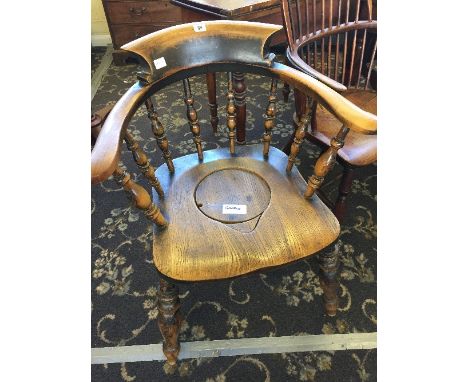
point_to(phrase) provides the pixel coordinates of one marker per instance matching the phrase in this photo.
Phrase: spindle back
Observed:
(336, 38)
(179, 53)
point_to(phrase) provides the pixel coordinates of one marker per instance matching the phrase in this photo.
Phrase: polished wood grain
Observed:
(139, 197)
(141, 159)
(192, 118)
(359, 149)
(160, 133)
(106, 152)
(236, 187)
(290, 228)
(196, 235)
(231, 120)
(269, 122)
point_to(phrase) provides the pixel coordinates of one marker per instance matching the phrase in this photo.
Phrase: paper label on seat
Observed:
(234, 209)
(160, 63)
(199, 27)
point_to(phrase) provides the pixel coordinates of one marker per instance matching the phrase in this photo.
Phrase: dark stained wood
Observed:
(265, 11)
(211, 86)
(286, 91)
(329, 264)
(169, 319)
(241, 110)
(160, 133)
(231, 114)
(269, 117)
(344, 189)
(290, 228)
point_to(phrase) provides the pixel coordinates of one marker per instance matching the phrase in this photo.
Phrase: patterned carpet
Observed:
(281, 302)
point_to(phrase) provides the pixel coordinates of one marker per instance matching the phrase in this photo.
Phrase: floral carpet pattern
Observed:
(280, 302)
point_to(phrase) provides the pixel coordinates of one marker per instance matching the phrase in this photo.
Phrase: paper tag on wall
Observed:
(199, 27)
(234, 209)
(160, 63)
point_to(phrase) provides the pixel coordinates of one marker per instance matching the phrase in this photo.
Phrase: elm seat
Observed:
(283, 226)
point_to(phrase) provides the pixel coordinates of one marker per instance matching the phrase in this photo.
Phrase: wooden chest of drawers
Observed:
(128, 20)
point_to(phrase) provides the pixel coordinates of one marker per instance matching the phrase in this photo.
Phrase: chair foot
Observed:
(345, 187)
(329, 264)
(169, 319)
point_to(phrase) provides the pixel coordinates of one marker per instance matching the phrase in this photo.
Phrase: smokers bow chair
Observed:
(196, 237)
(336, 43)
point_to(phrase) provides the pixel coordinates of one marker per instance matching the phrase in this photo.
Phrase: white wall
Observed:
(100, 35)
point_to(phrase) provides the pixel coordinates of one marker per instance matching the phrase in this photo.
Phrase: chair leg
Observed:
(329, 264)
(211, 85)
(345, 187)
(169, 319)
(286, 91)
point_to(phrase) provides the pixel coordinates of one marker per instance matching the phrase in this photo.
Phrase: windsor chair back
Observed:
(226, 212)
(335, 41)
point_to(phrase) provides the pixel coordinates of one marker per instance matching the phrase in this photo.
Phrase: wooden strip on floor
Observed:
(242, 346)
(101, 70)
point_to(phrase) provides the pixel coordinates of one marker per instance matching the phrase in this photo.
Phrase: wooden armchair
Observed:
(226, 212)
(335, 41)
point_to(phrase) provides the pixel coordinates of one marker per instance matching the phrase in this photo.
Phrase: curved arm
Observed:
(349, 114)
(300, 64)
(106, 152)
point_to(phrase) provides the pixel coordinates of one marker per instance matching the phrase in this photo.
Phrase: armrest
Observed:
(348, 113)
(300, 64)
(106, 152)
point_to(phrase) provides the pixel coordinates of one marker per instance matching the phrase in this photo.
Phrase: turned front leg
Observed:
(328, 280)
(169, 319)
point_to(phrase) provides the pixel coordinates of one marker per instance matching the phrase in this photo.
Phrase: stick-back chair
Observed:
(335, 41)
(226, 212)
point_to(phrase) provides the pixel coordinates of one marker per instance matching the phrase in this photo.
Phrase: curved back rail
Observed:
(227, 46)
(333, 40)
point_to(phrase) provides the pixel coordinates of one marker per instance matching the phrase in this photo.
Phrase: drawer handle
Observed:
(137, 11)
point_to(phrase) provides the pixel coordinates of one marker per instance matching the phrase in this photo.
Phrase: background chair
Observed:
(336, 43)
(226, 212)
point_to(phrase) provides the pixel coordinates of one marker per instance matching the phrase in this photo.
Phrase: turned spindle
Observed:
(231, 115)
(269, 122)
(139, 197)
(211, 85)
(325, 162)
(192, 118)
(299, 136)
(240, 90)
(160, 134)
(142, 162)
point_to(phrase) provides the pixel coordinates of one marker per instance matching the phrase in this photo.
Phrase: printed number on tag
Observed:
(199, 27)
(234, 209)
(160, 63)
